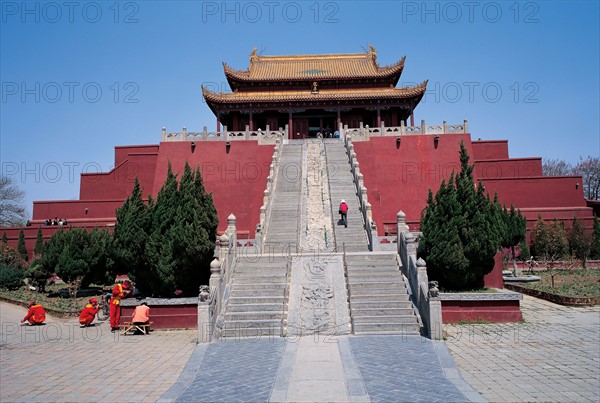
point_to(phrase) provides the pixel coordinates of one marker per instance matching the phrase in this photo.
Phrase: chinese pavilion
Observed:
(314, 93)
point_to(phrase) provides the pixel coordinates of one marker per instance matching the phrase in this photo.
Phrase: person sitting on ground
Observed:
(36, 315)
(141, 315)
(344, 212)
(86, 317)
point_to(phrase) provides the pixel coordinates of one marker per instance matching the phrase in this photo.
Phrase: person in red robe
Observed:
(36, 315)
(119, 292)
(86, 317)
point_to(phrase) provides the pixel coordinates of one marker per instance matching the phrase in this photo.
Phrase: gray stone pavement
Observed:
(61, 362)
(553, 355)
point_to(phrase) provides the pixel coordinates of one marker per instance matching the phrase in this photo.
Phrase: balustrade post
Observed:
(401, 224)
(226, 133)
(164, 134)
(204, 320)
(204, 133)
(184, 134)
(382, 129)
(465, 127)
(402, 128)
(423, 127)
(362, 129)
(444, 127)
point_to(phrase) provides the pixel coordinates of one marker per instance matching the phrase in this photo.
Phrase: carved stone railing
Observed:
(365, 206)
(265, 209)
(424, 295)
(267, 136)
(364, 133)
(221, 275)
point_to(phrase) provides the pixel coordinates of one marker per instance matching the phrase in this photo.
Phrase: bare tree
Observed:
(12, 211)
(556, 168)
(589, 169)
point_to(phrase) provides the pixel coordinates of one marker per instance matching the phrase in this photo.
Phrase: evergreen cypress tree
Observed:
(39, 242)
(595, 252)
(580, 243)
(4, 237)
(130, 237)
(21, 248)
(462, 231)
(515, 226)
(160, 248)
(195, 232)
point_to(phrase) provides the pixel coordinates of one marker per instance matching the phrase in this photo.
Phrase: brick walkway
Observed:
(554, 355)
(62, 362)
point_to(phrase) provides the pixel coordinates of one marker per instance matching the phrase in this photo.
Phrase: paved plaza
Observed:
(554, 355)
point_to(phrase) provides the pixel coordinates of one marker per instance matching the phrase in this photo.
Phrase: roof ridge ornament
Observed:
(254, 56)
(372, 52)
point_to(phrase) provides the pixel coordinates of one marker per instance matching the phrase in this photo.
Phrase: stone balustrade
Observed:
(364, 133)
(425, 296)
(267, 136)
(265, 209)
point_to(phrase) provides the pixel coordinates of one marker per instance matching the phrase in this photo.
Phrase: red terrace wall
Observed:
(541, 191)
(73, 210)
(508, 168)
(237, 178)
(491, 311)
(30, 233)
(399, 178)
(121, 152)
(489, 149)
(167, 316)
(118, 183)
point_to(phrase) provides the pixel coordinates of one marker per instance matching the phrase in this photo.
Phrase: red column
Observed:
(218, 122)
(251, 122)
(339, 119)
(412, 118)
(378, 116)
(290, 126)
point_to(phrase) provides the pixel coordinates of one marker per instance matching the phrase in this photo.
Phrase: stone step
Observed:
(371, 257)
(263, 278)
(258, 287)
(399, 319)
(374, 292)
(232, 317)
(358, 270)
(256, 293)
(395, 285)
(255, 300)
(380, 298)
(394, 328)
(382, 312)
(263, 307)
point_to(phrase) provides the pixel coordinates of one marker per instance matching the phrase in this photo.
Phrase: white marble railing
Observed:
(265, 209)
(425, 298)
(364, 133)
(263, 137)
(365, 206)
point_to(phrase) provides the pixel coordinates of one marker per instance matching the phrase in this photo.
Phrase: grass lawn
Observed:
(50, 299)
(569, 283)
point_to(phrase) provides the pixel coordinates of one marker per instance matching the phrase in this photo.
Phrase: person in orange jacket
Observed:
(86, 317)
(119, 292)
(36, 315)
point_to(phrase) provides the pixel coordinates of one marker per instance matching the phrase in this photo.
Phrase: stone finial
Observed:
(204, 293)
(421, 262)
(215, 266)
(401, 220)
(231, 219)
(224, 239)
(434, 290)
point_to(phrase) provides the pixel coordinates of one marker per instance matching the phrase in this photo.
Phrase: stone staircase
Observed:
(341, 186)
(282, 232)
(255, 306)
(379, 301)
(257, 303)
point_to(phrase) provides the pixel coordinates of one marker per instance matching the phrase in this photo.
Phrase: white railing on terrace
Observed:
(263, 137)
(363, 133)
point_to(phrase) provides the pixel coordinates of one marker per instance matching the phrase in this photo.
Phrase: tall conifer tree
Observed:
(21, 248)
(39, 242)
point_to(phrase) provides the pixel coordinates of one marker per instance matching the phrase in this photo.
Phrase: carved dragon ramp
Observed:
(318, 301)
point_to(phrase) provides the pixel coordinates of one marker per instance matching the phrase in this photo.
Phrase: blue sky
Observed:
(81, 77)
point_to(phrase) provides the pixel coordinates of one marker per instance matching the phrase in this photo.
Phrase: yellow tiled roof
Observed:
(322, 95)
(313, 67)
